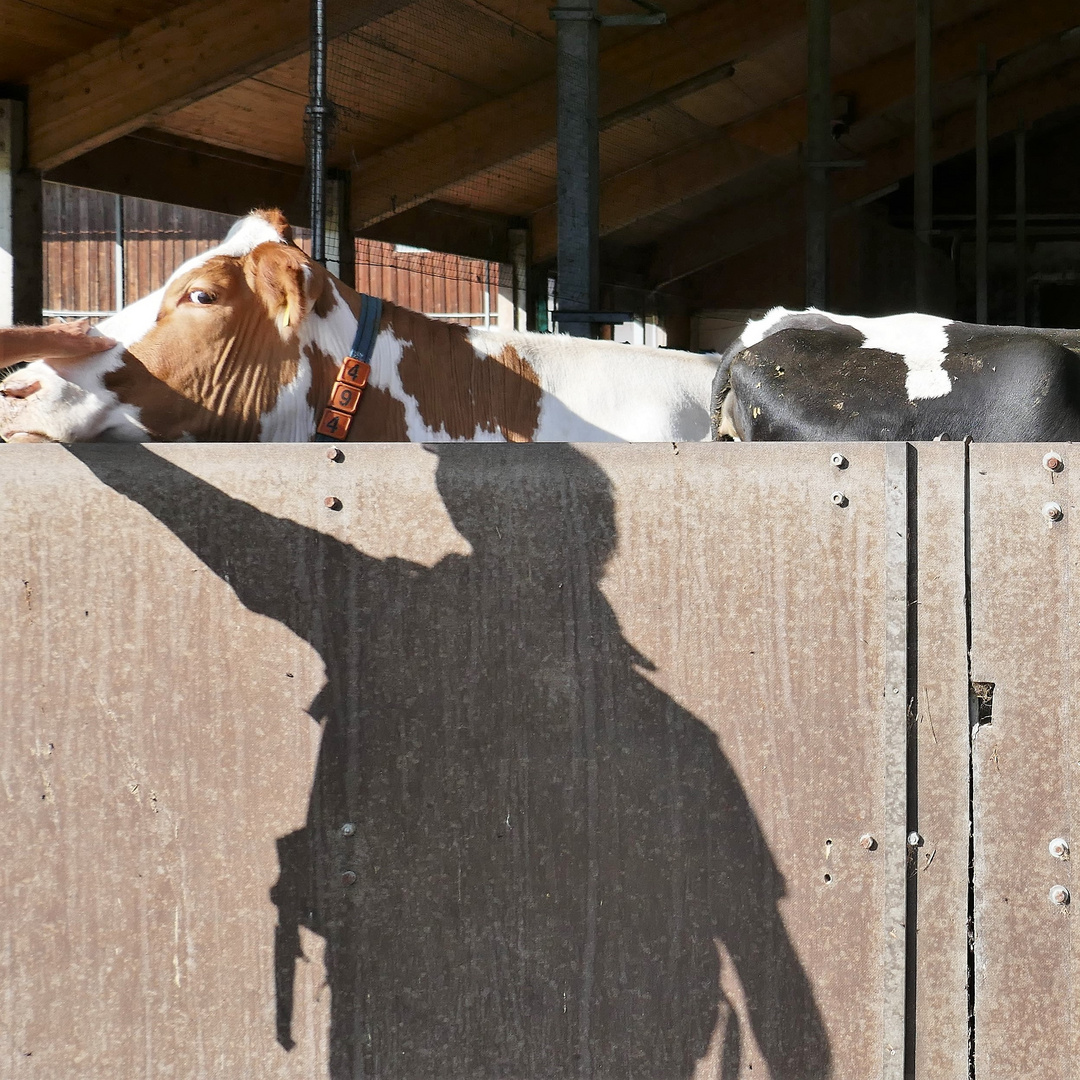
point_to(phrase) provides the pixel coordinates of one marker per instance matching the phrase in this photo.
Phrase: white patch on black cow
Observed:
(921, 341)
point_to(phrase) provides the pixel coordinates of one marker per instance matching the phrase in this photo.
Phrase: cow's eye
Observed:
(201, 296)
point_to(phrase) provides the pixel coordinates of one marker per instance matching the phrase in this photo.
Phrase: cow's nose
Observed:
(20, 391)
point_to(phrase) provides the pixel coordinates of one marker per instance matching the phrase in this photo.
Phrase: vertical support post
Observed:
(982, 188)
(21, 269)
(818, 144)
(339, 247)
(346, 240)
(8, 164)
(577, 74)
(1021, 225)
(118, 253)
(924, 156)
(895, 809)
(518, 242)
(317, 114)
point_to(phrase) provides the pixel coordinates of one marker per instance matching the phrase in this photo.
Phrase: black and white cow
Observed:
(811, 375)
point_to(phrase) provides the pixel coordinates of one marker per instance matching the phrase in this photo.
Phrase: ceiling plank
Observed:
(188, 173)
(719, 236)
(164, 63)
(412, 172)
(778, 131)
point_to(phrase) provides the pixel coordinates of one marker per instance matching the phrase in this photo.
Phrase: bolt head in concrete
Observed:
(1059, 895)
(1058, 847)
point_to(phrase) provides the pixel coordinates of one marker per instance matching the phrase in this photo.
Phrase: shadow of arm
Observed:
(275, 566)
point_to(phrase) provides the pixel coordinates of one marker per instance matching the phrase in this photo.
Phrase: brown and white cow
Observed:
(243, 344)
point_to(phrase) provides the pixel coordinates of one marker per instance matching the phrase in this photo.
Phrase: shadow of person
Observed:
(520, 853)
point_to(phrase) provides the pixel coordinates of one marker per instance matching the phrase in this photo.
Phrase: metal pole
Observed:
(818, 141)
(21, 233)
(1021, 225)
(118, 253)
(10, 118)
(317, 113)
(982, 188)
(924, 159)
(518, 240)
(577, 71)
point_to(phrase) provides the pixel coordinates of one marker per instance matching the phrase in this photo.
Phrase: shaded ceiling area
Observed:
(445, 119)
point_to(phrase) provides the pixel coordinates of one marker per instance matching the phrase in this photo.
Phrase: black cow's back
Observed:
(813, 378)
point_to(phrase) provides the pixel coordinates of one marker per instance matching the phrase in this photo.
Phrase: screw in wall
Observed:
(1059, 895)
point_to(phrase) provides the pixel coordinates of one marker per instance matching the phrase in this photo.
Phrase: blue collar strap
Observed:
(352, 376)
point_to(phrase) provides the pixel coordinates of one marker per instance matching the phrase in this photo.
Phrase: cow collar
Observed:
(352, 376)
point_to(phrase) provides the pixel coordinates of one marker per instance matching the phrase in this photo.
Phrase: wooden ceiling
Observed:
(450, 103)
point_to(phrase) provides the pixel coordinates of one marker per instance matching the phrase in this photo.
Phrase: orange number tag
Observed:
(354, 372)
(334, 423)
(345, 398)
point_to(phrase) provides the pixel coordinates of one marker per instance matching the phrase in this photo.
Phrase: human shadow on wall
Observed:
(520, 852)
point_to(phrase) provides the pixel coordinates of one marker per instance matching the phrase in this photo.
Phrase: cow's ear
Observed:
(285, 281)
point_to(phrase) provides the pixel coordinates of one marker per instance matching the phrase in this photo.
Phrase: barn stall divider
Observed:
(550, 761)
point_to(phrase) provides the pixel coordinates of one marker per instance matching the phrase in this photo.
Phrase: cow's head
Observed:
(238, 345)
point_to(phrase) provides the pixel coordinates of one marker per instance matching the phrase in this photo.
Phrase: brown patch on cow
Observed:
(326, 298)
(166, 413)
(286, 281)
(212, 371)
(380, 418)
(458, 389)
(324, 369)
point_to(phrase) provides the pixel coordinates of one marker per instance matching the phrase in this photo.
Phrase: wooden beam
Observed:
(166, 63)
(778, 131)
(150, 165)
(417, 169)
(455, 230)
(719, 236)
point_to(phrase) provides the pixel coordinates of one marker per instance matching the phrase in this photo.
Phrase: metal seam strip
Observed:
(895, 737)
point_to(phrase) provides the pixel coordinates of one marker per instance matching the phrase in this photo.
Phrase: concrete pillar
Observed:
(518, 242)
(577, 73)
(1021, 225)
(924, 160)
(21, 294)
(818, 151)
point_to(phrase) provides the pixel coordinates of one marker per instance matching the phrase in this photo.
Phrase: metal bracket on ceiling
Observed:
(654, 15)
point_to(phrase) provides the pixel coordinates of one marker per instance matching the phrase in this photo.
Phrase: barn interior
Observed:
(871, 156)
